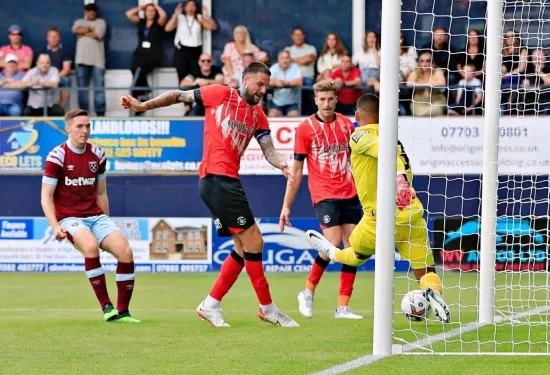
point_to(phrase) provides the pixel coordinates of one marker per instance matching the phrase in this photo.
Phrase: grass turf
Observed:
(51, 324)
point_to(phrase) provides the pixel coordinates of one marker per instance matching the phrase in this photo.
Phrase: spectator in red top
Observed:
(347, 77)
(23, 53)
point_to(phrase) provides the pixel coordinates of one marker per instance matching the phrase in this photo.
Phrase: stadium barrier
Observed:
(156, 160)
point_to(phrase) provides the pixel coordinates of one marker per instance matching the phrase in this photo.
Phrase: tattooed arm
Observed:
(163, 100)
(273, 156)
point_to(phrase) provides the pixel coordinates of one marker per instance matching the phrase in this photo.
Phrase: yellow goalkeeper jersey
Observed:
(364, 163)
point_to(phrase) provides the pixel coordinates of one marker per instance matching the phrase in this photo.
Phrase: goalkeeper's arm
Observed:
(365, 143)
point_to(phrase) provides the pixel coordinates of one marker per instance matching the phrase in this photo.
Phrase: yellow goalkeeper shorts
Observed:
(411, 240)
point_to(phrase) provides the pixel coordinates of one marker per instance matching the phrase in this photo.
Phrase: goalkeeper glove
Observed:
(405, 192)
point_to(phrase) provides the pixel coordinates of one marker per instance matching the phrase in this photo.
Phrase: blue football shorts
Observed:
(100, 226)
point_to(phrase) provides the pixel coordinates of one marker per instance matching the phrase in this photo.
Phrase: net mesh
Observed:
(441, 128)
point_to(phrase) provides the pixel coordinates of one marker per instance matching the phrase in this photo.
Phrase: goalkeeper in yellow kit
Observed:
(411, 233)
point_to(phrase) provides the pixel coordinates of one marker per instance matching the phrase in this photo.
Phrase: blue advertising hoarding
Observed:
(160, 245)
(163, 146)
(288, 251)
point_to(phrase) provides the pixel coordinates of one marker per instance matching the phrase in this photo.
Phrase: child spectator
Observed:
(470, 94)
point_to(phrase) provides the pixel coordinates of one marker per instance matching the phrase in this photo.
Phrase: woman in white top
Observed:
(368, 59)
(331, 56)
(188, 40)
(233, 52)
(407, 59)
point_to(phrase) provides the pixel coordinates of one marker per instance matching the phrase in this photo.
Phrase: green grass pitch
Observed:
(51, 324)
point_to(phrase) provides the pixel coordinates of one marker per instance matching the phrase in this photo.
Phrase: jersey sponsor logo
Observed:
(93, 166)
(357, 135)
(80, 181)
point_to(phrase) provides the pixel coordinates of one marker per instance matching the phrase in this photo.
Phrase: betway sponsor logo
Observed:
(80, 181)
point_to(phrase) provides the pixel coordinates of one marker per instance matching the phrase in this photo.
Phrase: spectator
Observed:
(470, 94)
(537, 76)
(407, 59)
(188, 40)
(331, 56)
(427, 99)
(232, 56)
(43, 77)
(514, 57)
(208, 75)
(61, 60)
(347, 77)
(368, 59)
(11, 101)
(537, 71)
(23, 53)
(474, 55)
(148, 53)
(237, 79)
(90, 58)
(303, 55)
(285, 77)
(442, 54)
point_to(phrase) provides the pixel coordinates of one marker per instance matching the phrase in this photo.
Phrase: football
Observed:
(415, 306)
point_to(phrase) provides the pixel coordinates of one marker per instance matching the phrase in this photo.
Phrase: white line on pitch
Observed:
(32, 309)
(420, 344)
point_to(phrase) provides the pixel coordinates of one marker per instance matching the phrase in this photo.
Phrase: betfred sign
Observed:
(521, 244)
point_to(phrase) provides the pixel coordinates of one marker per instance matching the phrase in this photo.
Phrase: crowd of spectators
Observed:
(436, 79)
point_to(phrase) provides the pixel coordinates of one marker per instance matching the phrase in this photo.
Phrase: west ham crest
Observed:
(93, 166)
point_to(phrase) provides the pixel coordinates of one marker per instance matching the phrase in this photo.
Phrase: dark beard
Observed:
(249, 98)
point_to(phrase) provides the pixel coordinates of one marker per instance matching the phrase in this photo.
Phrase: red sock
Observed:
(125, 278)
(96, 275)
(255, 270)
(316, 273)
(231, 269)
(347, 278)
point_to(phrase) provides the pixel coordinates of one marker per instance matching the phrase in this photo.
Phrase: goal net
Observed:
(443, 135)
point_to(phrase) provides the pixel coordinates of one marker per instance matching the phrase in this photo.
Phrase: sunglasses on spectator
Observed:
(205, 60)
(16, 33)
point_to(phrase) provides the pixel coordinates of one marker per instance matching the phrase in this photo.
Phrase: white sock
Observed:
(211, 303)
(308, 292)
(269, 309)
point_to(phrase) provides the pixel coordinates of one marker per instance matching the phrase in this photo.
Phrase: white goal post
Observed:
(493, 313)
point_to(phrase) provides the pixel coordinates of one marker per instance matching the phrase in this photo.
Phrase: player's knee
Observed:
(125, 255)
(89, 249)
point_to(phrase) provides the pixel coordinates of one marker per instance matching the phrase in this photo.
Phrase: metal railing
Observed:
(405, 95)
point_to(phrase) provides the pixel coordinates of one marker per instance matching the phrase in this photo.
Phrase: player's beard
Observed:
(247, 96)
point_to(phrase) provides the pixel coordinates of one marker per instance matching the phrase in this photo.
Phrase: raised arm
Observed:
(132, 14)
(164, 100)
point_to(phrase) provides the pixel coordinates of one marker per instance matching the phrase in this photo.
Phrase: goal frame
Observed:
(385, 233)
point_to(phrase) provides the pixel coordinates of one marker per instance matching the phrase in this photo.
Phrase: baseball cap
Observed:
(91, 6)
(15, 27)
(10, 58)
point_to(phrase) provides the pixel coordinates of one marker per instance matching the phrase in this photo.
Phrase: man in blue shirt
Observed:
(11, 101)
(286, 77)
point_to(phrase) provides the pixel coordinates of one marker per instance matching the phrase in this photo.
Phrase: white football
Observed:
(415, 306)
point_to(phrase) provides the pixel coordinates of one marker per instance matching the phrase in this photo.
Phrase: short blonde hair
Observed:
(325, 86)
